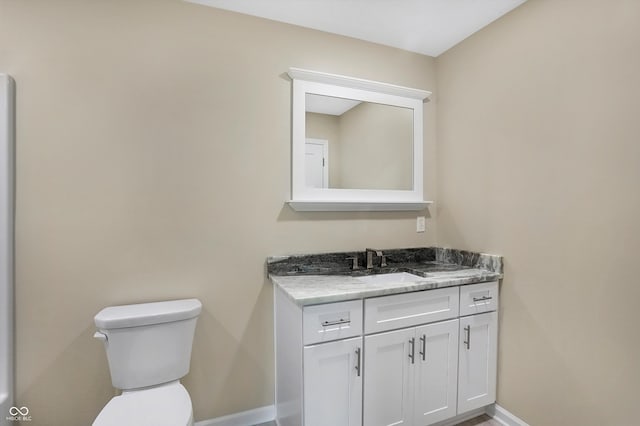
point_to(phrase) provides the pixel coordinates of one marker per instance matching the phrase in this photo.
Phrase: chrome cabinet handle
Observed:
(467, 331)
(412, 342)
(358, 362)
(338, 322)
(423, 352)
(482, 299)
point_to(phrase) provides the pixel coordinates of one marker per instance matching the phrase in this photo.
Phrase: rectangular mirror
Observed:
(356, 144)
(351, 144)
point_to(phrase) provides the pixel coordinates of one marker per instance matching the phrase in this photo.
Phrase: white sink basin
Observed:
(396, 277)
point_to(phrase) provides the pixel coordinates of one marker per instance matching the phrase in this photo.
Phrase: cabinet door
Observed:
(333, 383)
(436, 372)
(388, 382)
(478, 356)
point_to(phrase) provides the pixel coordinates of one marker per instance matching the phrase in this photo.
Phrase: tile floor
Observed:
(483, 420)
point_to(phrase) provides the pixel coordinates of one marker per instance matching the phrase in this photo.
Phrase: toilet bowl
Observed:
(149, 350)
(168, 405)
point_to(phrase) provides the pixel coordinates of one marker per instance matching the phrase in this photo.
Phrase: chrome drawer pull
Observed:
(467, 342)
(482, 299)
(423, 352)
(412, 342)
(338, 322)
(358, 364)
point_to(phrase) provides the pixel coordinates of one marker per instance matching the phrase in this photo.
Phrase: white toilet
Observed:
(149, 350)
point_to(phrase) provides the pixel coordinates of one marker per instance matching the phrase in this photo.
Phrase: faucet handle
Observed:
(378, 253)
(354, 265)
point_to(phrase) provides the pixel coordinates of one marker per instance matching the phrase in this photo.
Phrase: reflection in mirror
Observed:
(352, 144)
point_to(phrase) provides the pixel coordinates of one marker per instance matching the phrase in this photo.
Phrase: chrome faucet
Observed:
(354, 264)
(370, 252)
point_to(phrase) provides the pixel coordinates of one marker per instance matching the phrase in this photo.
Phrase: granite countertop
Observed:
(324, 278)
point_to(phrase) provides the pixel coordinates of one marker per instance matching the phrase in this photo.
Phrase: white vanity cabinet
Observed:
(388, 378)
(410, 372)
(318, 363)
(411, 359)
(436, 372)
(477, 363)
(333, 383)
(411, 375)
(478, 346)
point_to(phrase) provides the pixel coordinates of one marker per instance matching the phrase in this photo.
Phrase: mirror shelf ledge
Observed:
(356, 206)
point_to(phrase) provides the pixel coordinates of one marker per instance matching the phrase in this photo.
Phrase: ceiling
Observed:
(429, 27)
(328, 105)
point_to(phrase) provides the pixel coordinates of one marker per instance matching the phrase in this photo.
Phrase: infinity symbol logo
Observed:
(14, 411)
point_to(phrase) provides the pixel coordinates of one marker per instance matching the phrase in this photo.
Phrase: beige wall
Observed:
(153, 162)
(376, 147)
(539, 160)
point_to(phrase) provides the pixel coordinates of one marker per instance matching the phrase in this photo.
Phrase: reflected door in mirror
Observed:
(316, 163)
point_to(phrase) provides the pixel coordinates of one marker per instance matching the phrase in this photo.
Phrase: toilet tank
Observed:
(149, 343)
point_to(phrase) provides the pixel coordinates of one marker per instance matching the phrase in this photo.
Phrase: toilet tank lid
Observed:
(147, 313)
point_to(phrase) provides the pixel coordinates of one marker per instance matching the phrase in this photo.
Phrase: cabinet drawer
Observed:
(331, 321)
(478, 298)
(404, 310)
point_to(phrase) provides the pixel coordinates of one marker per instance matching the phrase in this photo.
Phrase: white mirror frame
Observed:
(304, 198)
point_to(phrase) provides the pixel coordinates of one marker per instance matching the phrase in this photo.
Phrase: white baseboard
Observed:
(268, 413)
(245, 418)
(503, 416)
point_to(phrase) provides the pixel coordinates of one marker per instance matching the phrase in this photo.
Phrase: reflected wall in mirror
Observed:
(352, 144)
